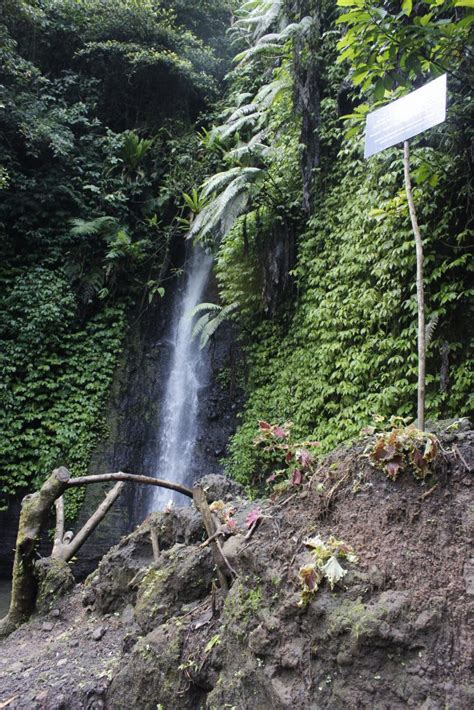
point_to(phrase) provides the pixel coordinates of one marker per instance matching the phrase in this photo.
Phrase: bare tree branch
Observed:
(67, 551)
(59, 533)
(121, 476)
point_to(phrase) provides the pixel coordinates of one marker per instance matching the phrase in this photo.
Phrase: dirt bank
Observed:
(394, 632)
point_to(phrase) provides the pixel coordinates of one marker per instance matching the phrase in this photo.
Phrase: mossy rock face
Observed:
(111, 587)
(55, 579)
(151, 675)
(183, 575)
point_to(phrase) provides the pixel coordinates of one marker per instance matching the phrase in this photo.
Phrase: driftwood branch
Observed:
(34, 516)
(66, 550)
(121, 476)
(200, 501)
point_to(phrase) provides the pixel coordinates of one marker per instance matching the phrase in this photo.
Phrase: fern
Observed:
(256, 17)
(208, 323)
(90, 228)
(274, 42)
(430, 329)
(220, 214)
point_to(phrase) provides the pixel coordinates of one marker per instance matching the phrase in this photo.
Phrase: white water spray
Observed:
(188, 373)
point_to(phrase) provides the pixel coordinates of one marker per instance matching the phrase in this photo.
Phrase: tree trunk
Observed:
(35, 509)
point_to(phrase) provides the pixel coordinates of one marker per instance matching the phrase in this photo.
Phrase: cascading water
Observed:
(188, 372)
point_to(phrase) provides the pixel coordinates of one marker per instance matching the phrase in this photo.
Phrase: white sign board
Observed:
(406, 117)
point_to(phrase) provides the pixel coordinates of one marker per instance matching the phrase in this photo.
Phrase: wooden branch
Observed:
(59, 533)
(34, 513)
(155, 544)
(420, 289)
(121, 476)
(200, 501)
(67, 551)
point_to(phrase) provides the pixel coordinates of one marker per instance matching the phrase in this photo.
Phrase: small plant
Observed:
(214, 641)
(325, 565)
(401, 447)
(207, 324)
(298, 459)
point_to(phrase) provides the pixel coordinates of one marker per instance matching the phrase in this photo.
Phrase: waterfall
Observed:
(188, 372)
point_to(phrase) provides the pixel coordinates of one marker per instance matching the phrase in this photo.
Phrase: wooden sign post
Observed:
(396, 123)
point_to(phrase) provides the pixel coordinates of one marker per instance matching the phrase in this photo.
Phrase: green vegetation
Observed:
(93, 162)
(117, 137)
(336, 343)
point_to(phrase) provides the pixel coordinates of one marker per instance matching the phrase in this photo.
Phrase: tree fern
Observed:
(256, 17)
(220, 214)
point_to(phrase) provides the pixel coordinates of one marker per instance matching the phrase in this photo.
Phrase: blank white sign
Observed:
(406, 117)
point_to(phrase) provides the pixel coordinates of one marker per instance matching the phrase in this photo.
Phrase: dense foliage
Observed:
(98, 104)
(342, 346)
(106, 158)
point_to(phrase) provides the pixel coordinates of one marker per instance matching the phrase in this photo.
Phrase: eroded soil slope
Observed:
(396, 632)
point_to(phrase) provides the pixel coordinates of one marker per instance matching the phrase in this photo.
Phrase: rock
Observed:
(468, 574)
(217, 487)
(55, 579)
(55, 613)
(128, 614)
(15, 667)
(98, 633)
(149, 676)
(119, 575)
(184, 576)
(61, 662)
(47, 626)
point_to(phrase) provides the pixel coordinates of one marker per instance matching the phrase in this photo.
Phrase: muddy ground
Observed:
(396, 631)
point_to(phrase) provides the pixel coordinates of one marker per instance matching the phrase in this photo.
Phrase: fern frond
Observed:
(257, 16)
(204, 307)
(207, 325)
(430, 329)
(89, 228)
(222, 211)
(200, 325)
(222, 179)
